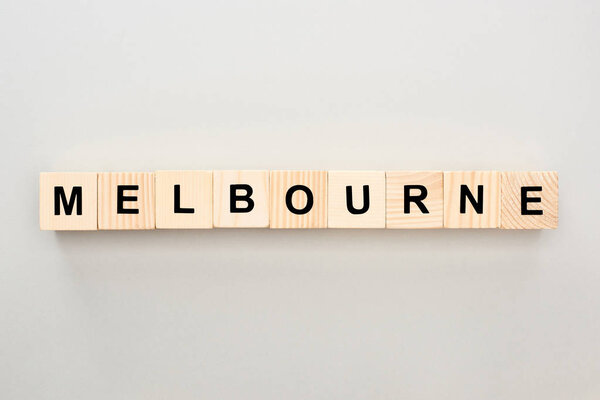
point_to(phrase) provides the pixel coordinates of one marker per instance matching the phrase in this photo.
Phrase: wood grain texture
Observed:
(281, 217)
(195, 191)
(338, 215)
(88, 220)
(396, 218)
(108, 219)
(511, 200)
(258, 217)
(490, 218)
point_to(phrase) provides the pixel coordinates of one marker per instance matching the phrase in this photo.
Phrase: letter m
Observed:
(61, 197)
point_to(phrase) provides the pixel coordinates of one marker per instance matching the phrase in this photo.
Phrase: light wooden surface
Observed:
(396, 218)
(195, 188)
(338, 215)
(281, 181)
(490, 218)
(511, 200)
(88, 220)
(108, 219)
(258, 217)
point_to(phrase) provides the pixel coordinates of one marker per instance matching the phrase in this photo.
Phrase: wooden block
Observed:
(125, 200)
(250, 192)
(356, 199)
(529, 200)
(68, 201)
(414, 199)
(472, 199)
(184, 199)
(298, 199)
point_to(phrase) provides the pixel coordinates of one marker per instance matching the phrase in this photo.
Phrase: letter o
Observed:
(309, 199)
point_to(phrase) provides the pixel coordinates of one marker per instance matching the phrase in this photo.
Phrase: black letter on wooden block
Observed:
(121, 198)
(177, 202)
(234, 198)
(466, 193)
(525, 200)
(366, 202)
(418, 199)
(309, 199)
(61, 196)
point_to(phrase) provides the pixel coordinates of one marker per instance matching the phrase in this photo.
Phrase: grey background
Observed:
(259, 314)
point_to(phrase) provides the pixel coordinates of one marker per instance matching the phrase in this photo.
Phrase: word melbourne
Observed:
(298, 199)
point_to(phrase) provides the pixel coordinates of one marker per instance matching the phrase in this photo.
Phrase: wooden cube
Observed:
(184, 199)
(356, 199)
(472, 199)
(125, 200)
(241, 199)
(529, 200)
(298, 199)
(69, 201)
(414, 199)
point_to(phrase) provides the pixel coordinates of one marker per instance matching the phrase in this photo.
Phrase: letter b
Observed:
(234, 197)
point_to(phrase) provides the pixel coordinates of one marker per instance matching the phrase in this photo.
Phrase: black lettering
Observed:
(121, 198)
(525, 200)
(309, 199)
(465, 194)
(75, 199)
(366, 201)
(177, 202)
(417, 199)
(234, 197)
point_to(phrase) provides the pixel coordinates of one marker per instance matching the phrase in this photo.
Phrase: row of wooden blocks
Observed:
(298, 199)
